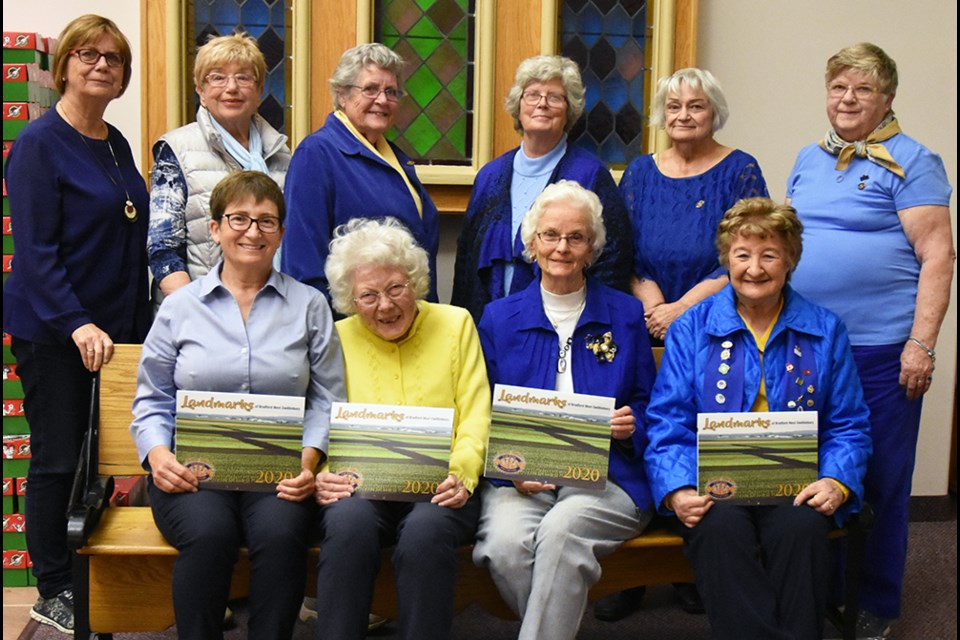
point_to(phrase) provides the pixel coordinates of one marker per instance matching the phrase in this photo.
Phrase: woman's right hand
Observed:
(169, 475)
(531, 488)
(689, 507)
(332, 487)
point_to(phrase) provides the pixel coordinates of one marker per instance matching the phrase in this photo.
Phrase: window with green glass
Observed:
(267, 22)
(434, 123)
(609, 39)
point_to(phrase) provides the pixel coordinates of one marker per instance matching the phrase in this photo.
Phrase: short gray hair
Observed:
(543, 69)
(362, 242)
(570, 193)
(355, 60)
(695, 79)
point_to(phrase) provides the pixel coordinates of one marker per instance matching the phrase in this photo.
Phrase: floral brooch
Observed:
(602, 346)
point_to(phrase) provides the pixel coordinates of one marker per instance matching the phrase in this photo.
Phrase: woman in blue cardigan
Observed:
(541, 542)
(757, 345)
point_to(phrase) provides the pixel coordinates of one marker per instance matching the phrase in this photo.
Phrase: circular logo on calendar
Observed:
(353, 475)
(201, 468)
(721, 488)
(509, 462)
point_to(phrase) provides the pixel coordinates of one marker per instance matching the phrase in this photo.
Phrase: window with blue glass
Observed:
(434, 123)
(267, 21)
(608, 39)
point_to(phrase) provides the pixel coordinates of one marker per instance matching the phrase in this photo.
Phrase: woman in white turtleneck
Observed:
(540, 542)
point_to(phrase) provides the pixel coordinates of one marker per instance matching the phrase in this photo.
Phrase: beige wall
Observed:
(769, 55)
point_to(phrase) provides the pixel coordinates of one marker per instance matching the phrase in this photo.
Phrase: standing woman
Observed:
(348, 169)
(676, 198)
(80, 279)
(546, 100)
(227, 136)
(878, 252)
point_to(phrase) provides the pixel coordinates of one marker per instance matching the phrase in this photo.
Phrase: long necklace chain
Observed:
(129, 210)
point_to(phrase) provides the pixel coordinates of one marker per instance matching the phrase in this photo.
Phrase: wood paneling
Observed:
(334, 30)
(517, 38)
(153, 103)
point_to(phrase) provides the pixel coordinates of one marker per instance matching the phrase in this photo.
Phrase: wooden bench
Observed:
(123, 566)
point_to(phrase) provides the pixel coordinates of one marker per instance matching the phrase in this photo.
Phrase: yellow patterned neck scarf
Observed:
(871, 148)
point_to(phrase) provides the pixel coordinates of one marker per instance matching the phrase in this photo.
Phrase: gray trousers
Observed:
(542, 550)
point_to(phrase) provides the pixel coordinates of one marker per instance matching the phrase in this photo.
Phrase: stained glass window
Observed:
(608, 40)
(434, 123)
(267, 21)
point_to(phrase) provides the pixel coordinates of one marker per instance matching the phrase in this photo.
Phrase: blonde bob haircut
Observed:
(358, 58)
(570, 193)
(86, 30)
(237, 48)
(697, 80)
(544, 69)
(869, 58)
(761, 218)
(365, 242)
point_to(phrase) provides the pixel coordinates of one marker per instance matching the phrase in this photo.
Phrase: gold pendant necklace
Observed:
(129, 210)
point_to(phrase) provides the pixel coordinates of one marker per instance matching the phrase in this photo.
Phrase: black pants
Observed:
(762, 571)
(56, 390)
(424, 560)
(208, 528)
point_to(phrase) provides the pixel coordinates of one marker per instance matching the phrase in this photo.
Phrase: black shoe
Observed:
(56, 611)
(619, 605)
(688, 597)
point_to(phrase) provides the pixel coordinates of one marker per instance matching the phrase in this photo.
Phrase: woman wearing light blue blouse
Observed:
(243, 327)
(228, 136)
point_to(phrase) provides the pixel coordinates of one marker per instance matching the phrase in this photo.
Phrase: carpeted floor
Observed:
(930, 606)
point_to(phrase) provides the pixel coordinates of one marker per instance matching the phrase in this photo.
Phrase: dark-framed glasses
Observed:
(92, 56)
(242, 222)
(369, 299)
(220, 80)
(372, 92)
(533, 98)
(552, 239)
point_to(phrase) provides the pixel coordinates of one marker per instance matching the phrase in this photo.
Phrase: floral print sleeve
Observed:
(167, 236)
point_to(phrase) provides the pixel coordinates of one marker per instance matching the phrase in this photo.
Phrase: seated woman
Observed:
(757, 345)
(243, 327)
(399, 349)
(540, 542)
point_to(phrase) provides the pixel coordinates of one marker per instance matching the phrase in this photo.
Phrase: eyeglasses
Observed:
(860, 92)
(372, 92)
(92, 56)
(555, 100)
(552, 239)
(220, 80)
(242, 222)
(370, 299)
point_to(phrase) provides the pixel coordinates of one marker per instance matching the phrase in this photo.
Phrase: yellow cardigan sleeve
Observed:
(472, 404)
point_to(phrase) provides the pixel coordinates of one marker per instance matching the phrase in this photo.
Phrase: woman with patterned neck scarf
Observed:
(879, 252)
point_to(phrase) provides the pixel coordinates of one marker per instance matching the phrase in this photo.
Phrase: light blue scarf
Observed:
(252, 159)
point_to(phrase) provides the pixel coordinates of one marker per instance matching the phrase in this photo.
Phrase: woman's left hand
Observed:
(622, 423)
(451, 493)
(823, 495)
(916, 370)
(662, 316)
(96, 347)
(297, 489)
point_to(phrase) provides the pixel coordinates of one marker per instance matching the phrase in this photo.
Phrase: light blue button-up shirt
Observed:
(199, 342)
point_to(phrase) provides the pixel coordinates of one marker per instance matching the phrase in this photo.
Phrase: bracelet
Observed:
(930, 352)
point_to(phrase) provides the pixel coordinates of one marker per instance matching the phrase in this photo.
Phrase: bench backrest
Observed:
(118, 384)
